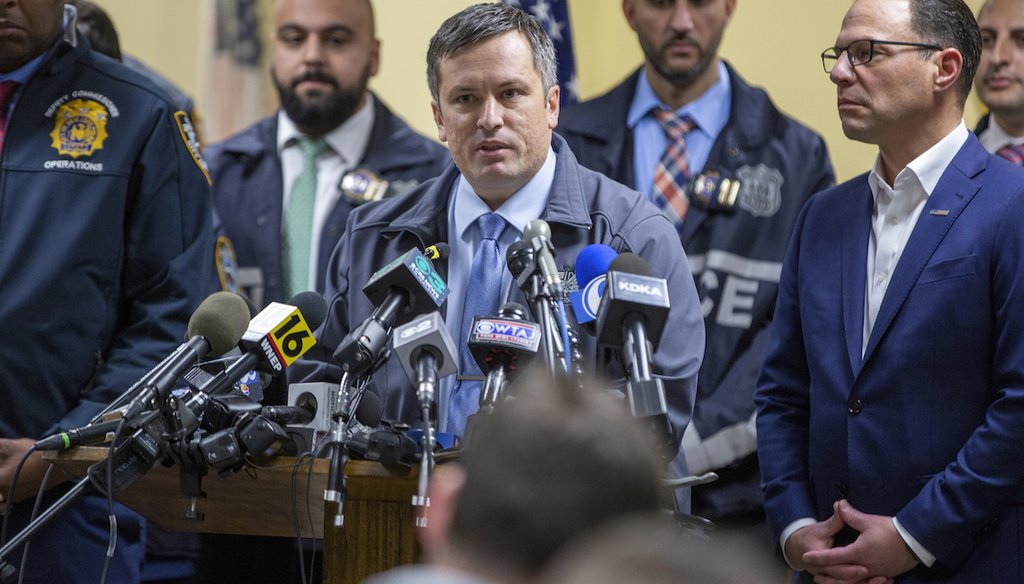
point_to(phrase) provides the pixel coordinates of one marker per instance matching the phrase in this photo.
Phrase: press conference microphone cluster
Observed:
(632, 318)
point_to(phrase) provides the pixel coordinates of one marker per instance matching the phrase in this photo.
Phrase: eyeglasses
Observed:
(862, 51)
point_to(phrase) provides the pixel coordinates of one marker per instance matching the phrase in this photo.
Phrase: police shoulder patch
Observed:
(191, 138)
(79, 128)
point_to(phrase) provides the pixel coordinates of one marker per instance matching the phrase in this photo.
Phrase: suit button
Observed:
(854, 406)
(261, 220)
(842, 490)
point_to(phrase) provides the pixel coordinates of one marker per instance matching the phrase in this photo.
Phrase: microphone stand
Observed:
(541, 304)
(425, 390)
(336, 481)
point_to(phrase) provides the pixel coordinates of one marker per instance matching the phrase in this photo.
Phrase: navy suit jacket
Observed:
(928, 425)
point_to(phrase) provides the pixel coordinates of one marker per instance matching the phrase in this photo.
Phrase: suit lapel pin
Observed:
(939, 212)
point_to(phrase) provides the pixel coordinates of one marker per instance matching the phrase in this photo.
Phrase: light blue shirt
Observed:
(464, 208)
(710, 112)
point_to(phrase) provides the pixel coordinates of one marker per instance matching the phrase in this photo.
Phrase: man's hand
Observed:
(11, 453)
(878, 549)
(819, 536)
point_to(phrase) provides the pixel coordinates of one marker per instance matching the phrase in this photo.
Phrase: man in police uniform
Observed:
(1000, 78)
(491, 70)
(734, 237)
(322, 56)
(106, 227)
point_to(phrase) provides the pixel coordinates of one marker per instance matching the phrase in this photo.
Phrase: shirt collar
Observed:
(926, 168)
(348, 140)
(710, 111)
(995, 137)
(523, 206)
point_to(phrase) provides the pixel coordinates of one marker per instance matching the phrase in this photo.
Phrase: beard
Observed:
(319, 113)
(680, 77)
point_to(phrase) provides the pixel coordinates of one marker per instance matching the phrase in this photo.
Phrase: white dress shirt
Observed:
(995, 137)
(346, 144)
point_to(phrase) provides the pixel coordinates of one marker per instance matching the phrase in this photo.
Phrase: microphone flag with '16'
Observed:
(275, 339)
(591, 269)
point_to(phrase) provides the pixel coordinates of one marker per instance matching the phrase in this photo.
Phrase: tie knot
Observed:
(491, 226)
(675, 126)
(312, 147)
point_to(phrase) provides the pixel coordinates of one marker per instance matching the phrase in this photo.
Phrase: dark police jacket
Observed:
(583, 207)
(735, 258)
(247, 189)
(105, 236)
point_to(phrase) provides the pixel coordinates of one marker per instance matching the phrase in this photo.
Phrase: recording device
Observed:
(214, 328)
(632, 318)
(538, 233)
(591, 268)
(404, 288)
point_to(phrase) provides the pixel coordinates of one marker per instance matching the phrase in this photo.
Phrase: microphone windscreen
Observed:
(593, 261)
(537, 228)
(369, 410)
(630, 263)
(441, 251)
(513, 310)
(312, 306)
(221, 319)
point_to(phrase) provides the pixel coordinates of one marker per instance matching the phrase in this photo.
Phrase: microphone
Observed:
(401, 290)
(303, 412)
(275, 339)
(91, 434)
(438, 251)
(426, 350)
(632, 318)
(538, 233)
(592, 265)
(214, 328)
(502, 346)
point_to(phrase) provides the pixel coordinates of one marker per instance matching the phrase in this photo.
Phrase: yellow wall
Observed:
(772, 43)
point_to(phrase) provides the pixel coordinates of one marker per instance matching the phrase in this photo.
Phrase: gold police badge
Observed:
(80, 127)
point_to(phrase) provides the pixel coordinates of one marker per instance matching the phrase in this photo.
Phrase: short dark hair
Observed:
(95, 25)
(481, 22)
(548, 465)
(950, 23)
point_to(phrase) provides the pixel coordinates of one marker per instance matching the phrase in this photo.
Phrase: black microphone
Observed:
(502, 346)
(427, 352)
(214, 328)
(632, 318)
(401, 290)
(91, 434)
(538, 232)
(302, 412)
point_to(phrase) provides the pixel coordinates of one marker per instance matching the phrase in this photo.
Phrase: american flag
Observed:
(554, 16)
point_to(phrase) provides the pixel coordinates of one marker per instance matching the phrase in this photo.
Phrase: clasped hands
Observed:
(877, 556)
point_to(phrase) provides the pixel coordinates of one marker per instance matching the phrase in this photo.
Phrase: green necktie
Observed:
(298, 229)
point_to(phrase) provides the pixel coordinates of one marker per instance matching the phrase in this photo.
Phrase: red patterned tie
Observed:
(1014, 154)
(6, 92)
(673, 171)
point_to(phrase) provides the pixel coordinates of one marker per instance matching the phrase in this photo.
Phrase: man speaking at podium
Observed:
(491, 71)
(106, 227)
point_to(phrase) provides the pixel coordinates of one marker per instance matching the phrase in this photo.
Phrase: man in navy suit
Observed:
(891, 402)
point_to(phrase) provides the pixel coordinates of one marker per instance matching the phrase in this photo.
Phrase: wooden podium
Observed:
(378, 530)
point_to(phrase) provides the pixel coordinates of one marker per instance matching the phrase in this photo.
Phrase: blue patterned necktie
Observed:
(483, 292)
(298, 232)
